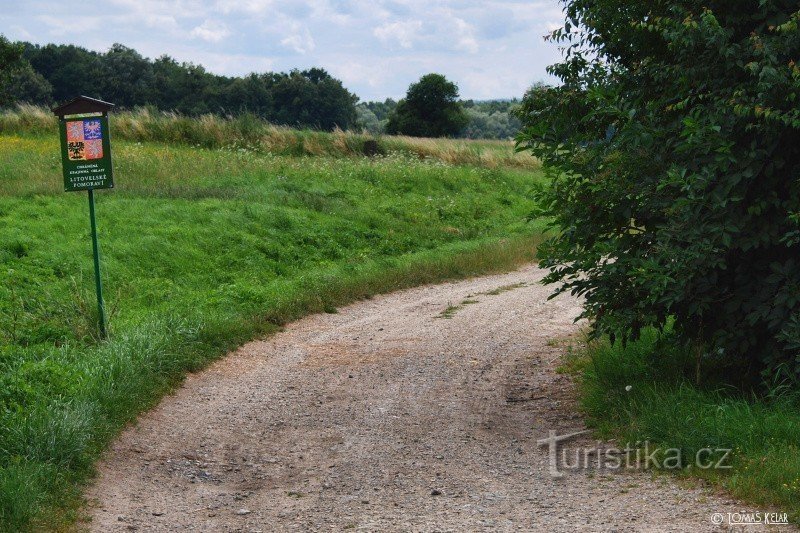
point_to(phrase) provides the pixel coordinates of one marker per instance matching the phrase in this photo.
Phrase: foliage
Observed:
(674, 147)
(10, 60)
(381, 110)
(489, 119)
(493, 119)
(373, 116)
(203, 249)
(430, 109)
(311, 98)
(26, 81)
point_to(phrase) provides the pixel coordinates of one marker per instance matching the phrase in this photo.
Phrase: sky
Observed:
(490, 48)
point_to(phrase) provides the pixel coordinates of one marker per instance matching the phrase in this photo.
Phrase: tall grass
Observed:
(248, 132)
(645, 391)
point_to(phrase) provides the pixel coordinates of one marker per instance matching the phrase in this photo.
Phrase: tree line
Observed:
(54, 73)
(488, 119)
(312, 98)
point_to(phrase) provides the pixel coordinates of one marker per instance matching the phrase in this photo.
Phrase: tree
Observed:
(126, 78)
(367, 120)
(484, 124)
(673, 144)
(430, 109)
(10, 60)
(382, 110)
(251, 94)
(312, 98)
(27, 85)
(71, 70)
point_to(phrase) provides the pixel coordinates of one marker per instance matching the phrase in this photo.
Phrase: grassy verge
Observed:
(203, 250)
(249, 133)
(643, 392)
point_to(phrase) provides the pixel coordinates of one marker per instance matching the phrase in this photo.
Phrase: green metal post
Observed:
(98, 284)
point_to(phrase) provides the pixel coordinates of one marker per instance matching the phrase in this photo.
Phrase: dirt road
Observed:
(418, 411)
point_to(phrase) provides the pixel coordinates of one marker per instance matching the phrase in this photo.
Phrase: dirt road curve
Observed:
(385, 417)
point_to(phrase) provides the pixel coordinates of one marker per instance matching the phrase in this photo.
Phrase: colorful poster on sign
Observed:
(84, 140)
(86, 154)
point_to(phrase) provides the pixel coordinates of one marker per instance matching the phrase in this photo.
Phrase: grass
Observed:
(505, 288)
(451, 310)
(251, 134)
(645, 392)
(203, 249)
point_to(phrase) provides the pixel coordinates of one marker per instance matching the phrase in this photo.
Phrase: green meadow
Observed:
(204, 248)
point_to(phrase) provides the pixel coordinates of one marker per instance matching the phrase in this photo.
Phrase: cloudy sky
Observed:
(491, 48)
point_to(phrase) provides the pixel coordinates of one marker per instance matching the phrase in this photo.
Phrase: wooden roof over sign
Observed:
(81, 105)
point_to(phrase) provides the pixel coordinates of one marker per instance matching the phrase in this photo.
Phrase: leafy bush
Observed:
(674, 147)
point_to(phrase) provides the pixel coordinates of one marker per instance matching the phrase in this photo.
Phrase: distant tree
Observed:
(126, 77)
(368, 120)
(166, 91)
(27, 85)
(312, 98)
(486, 119)
(10, 60)
(71, 70)
(382, 110)
(490, 121)
(195, 91)
(374, 116)
(251, 94)
(430, 109)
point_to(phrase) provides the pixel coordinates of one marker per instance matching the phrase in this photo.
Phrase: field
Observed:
(205, 245)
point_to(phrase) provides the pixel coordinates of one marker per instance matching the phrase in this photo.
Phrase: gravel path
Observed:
(408, 412)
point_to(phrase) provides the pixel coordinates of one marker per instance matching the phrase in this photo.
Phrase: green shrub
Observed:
(674, 147)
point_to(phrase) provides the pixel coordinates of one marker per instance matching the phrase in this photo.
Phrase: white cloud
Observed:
(60, 27)
(300, 41)
(466, 37)
(246, 6)
(211, 31)
(402, 32)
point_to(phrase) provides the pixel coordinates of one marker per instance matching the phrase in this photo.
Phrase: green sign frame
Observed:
(86, 152)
